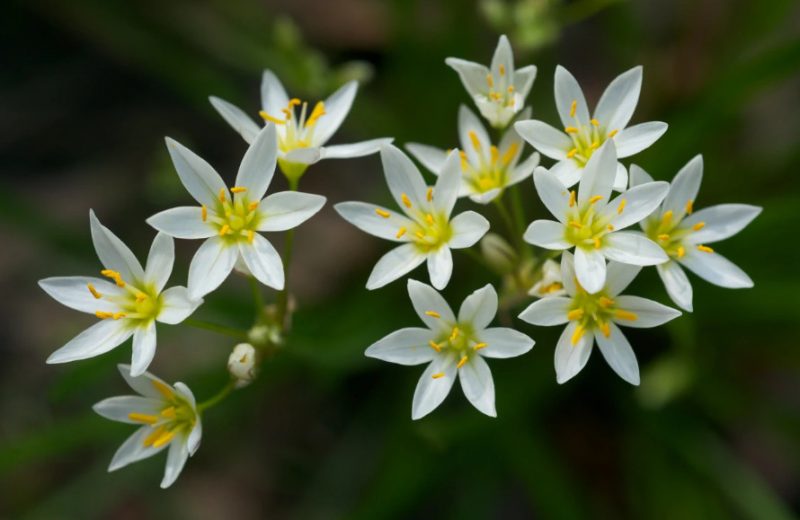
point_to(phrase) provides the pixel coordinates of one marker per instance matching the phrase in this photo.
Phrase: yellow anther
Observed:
(382, 213)
(294, 102)
(168, 412)
(109, 273)
(162, 388)
(594, 145)
(420, 234)
(625, 315)
(252, 206)
(222, 196)
(689, 206)
(571, 130)
(577, 335)
(400, 232)
(103, 315)
(476, 143)
(605, 328)
(663, 237)
(610, 227)
(495, 96)
(148, 441)
(509, 154)
(575, 224)
(494, 154)
(163, 439)
(595, 122)
(595, 198)
(502, 69)
(704, 249)
(271, 119)
(462, 362)
(319, 111)
(479, 346)
(621, 207)
(605, 301)
(251, 236)
(94, 292)
(438, 375)
(119, 315)
(490, 80)
(553, 287)
(140, 296)
(429, 194)
(575, 314)
(573, 108)
(666, 218)
(238, 189)
(597, 243)
(433, 314)
(143, 418)
(429, 218)
(203, 212)
(571, 153)
(681, 251)
(287, 112)
(510, 89)
(406, 200)
(224, 230)
(454, 334)
(572, 198)
(612, 133)
(435, 346)
(698, 226)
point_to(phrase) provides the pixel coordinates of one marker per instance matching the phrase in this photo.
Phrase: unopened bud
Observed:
(242, 364)
(498, 253)
(550, 283)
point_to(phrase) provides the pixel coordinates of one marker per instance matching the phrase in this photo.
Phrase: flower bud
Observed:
(242, 364)
(498, 253)
(550, 283)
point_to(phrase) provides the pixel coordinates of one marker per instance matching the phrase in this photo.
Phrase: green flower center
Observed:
(585, 226)
(586, 137)
(236, 219)
(666, 233)
(594, 312)
(140, 303)
(491, 172)
(176, 416)
(460, 342)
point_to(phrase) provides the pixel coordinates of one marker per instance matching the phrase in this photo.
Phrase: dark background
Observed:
(90, 88)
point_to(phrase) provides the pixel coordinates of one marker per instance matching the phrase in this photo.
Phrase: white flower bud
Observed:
(498, 253)
(550, 284)
(242, 364)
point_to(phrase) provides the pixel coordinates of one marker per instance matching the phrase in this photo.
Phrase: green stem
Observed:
(258, 298)
(516, 234)
(219, 329)
(283, 296)
(216, 399)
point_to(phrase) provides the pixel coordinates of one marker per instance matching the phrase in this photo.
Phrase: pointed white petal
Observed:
(337, 106)
(632, 248)
(523, 80)
(351, 150)
(186, 393)
(366, 218)
(408, 346)
(73, 291)
(306, 156)
(176, 305)
(639, 176)
(145, 384)
(590, 269)
(403, 178)
(621, 178)
(523, 170)
(395, 264)
(547, 311)
(570, 359)
(134, 450)
(113, 253)
(473, 75)
(273, 95)
(144, 348)
(468, 227)
(619, 276)
(684, 188)
(648, 313)
(547, 140)
(502, 343)
(618, 354)
(211, 264)
(445, 192)
(568, 273)
(720, 222)
(547, 234)
(288, 209)
(640, 202)
(567, 171)
(636, 138)
(235, 117)
(485, 197)
(567, 90)
(430, 391)
(503, 57)
(160, 261)
(552, 192)
(440, 267)
(479, 308)
(193, 442)
(97, 339)
(619, 100)
(176, 459)
(432, 309)
(119, 408)
(469, 125)
(197, 176)
(676, 283)
(478, 385)
(258, 164)
(431, 157)
(182, 222)
(715, 268)
(598, 176)
(263, 261)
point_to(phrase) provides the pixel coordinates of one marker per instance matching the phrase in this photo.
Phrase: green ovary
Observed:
(431, 231)
(585, 227)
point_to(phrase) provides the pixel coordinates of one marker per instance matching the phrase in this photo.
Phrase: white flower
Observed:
(499, 91)
(583, 135)
(167, 416)
(683, 234)
(486, 169)
(550, 284)
(426, 230)
(230, 219)
(242, 364)
(128, 305)
(452, 346)
(591, 223)
(595, 317)
(302, 132)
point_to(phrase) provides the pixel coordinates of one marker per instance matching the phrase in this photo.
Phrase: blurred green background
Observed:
(91, 87)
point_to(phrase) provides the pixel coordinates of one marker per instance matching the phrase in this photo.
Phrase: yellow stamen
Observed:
(251, 236)
(252, 206)
(502, 69)
(553, 287)
(162, 388)
(573, 108)
(689, 206)
(169, 412)
(429, 218)
(494, 154)
(222, 196)
(605, 301)
(605, 328)
(577, 335)
(224, 230)
(476, 143)
(163, 439)
(575, 314)
(595, 198)
(103, 315)
(597, 243)
(433, 314)
(462, 362)
(294, 102)
(574, 224)
(610, 227)
(406, 200)
(435, 346)
(705, 249)
(437, 375)
(681, 251)
(509, 154)
(510, 89)
(595, 122)
(625, 315)
(699, 226)
(420, 235)
(143, 418)
(571, 130)
(382, 213)
(572, 198)
(319, 111)
(490, 80)
(94, 292)
(479, 346)
(148, 441)
(621, 207)
(203, 212)
(594, 145)
(429, 195)
(238, 189)
(663, 237)
(571, 153)
(612, 133)
(118, 315)
(400, 232)
(454, 334)
(271, 119)
(108, 273)
(666, 218)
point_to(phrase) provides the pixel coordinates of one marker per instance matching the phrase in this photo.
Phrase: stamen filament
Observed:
(143, 418)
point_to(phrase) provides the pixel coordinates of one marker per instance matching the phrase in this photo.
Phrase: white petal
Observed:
(351, 150)
(288, 209)
(431, 392)
(197, 176)
(684, 188)
(639, 176)
(648, 313)
(567, 171)
(97, 339)
(619, 276)
(119, 408)
(176, 459)
(720, 222)
(468, 227)
(619, 354)
(640, 202)
(503, 57)
(523, 80)
(619, 100)
(182, 222)
(445, 192)
(258, 164)
(263, 261)
(478, 385)
(366, 218)
(570, 359)
(73, 291)
(621, 178)
(337, 106)
(235, 117)
(479, 308)
(547, 311)
(523, 170)
(599, 173)
(403, 178)
(193, 442)
(144, 348)
(432, 309)
(485, 197)
(590, 269)
(552, 192)
(395, 264)
(473, 75)
(144, 384)
(134, 450)
(567, 90)
(547, 140)
(716, 269)
(431, 157)
(568, 273)
(636, 138)
(440, 267)
(306, 156)
(405, 347)
(113, 253)
(547, 234)
(160, 261)
(176, 305)
(502, 343)
(211, 264)
(273, 95)
(676, 283)
(632, 248)
(468, 124)
(186, 393)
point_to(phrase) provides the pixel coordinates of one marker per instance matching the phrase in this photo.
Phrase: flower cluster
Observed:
(608, 221)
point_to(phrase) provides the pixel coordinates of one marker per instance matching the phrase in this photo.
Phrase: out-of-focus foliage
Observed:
(91, 87)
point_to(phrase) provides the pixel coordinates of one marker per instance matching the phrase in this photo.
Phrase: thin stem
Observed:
(519, 218)
(219, 329)
(258, 297)
(216, 399)
(283, 296)
(516, 234)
